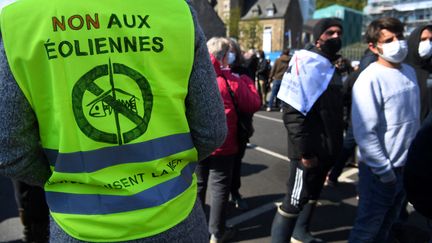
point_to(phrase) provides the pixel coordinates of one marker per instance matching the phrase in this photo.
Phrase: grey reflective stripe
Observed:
(92, 204)
(91, 161)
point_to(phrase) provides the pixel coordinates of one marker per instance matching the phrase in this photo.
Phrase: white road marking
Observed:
(268, 118)
(271, 205)
(252, 213)
(269, 152)
(332, 230)
(11, 229)
(347, 173)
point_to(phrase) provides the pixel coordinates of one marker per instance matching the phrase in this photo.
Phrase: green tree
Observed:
(232, 22)
(250, 33)
(355, 4)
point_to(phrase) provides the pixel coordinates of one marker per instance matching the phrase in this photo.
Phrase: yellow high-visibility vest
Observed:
(108, 81)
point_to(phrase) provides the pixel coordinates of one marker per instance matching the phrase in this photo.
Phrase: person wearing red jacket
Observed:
(217, 168)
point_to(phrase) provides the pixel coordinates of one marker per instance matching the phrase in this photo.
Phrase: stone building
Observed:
(270, 25)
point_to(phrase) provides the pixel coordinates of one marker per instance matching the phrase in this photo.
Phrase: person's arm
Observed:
(366, 110)
(21, 155)
(204, 107)
(247, 96)
(262, 67)
(273, 70)
(300, 130)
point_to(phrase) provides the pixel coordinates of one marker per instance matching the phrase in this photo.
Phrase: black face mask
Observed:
(343, 68)
(331, 46)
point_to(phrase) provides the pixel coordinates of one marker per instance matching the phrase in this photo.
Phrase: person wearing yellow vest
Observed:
(109, 106)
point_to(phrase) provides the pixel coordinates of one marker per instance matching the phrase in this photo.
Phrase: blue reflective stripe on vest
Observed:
(91, 161)
(92, 204)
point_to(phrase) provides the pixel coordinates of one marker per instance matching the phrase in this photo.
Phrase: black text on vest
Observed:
(78, 22)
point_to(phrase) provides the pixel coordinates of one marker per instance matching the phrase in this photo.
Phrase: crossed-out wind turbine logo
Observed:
(112, 103)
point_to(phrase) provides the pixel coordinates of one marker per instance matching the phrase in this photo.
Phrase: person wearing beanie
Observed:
(313, 117)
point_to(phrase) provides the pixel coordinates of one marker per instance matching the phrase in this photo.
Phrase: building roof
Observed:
(309, 25)
(261, 8)
(334, 7)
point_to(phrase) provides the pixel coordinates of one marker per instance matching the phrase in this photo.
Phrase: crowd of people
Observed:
(137, 176)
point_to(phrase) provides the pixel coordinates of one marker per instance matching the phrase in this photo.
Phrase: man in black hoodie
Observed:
(420, 58)
(315, 129)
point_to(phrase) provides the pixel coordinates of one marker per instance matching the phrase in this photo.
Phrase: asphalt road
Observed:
(264, 173)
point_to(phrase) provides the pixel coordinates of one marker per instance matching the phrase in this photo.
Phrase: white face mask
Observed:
(425, 49)
(231, 58)
(395, 51)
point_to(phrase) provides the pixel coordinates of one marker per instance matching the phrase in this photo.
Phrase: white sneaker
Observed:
(229, 234)
(268, 109)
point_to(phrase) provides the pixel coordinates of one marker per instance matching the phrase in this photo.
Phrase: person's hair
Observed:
(218, 47)
(373, 31)
(261, 53)
(427, 27)
(237, 51)
(286, 52)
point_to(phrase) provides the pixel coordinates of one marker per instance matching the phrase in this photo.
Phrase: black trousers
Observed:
(303, 184)
(236, 174)
(216, 171)
(31, 199)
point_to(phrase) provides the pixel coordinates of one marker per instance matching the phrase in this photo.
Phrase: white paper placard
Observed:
(307, 77)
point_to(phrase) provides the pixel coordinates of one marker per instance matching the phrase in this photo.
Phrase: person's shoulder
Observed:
(368, 75)
(407, 68)
(408, 71)
(372, 69)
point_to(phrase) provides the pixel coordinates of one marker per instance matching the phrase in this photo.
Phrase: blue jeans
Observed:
(274, 92)
(378, 208)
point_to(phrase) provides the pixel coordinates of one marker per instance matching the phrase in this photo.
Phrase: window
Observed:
(270, 12)
(256, 10)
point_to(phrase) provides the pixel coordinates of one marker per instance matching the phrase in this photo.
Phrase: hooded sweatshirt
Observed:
(279, 68)
(422, 67)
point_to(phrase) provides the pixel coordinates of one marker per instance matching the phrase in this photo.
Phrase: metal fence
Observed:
(353, 53)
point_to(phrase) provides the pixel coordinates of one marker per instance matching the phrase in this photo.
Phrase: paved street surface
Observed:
(263, 185)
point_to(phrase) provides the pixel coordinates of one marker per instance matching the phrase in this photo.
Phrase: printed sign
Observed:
(307, 77)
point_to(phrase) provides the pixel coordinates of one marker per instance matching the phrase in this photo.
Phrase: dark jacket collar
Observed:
(331, 58)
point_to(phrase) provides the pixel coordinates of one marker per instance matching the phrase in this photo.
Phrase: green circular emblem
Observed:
(112, 103)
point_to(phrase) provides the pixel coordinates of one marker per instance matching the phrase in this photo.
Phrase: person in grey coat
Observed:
(22, 157)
